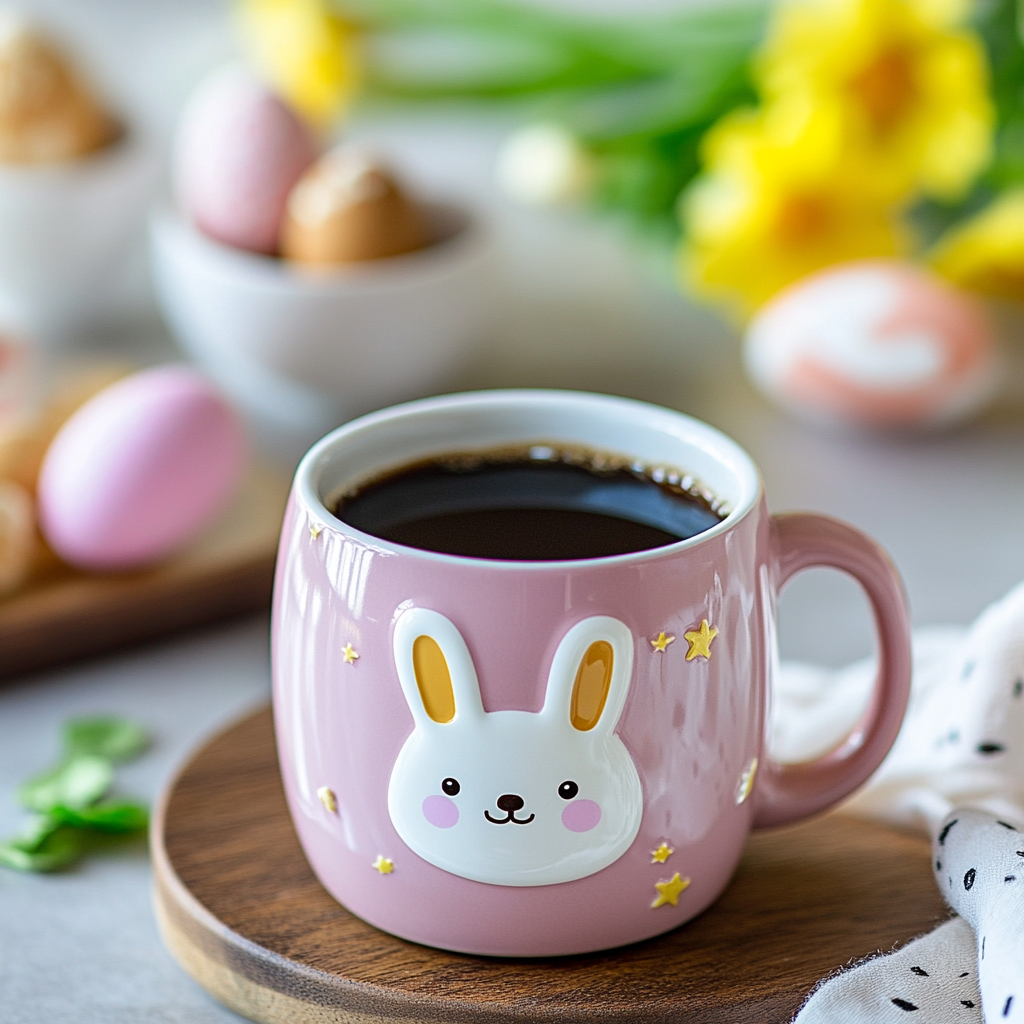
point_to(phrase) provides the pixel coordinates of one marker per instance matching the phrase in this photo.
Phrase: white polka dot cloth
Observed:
(956, 771)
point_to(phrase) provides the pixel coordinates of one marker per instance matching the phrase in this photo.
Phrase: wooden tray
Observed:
(240, 909)
(65, 614)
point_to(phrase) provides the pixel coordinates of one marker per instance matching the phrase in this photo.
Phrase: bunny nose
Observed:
(510, 802)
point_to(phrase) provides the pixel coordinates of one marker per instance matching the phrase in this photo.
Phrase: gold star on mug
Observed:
(661, 854)
(700, 641)
(746, 784)
(385, 865)
(328, 799)
(314, 530)
(662, 642)
(348, 652)
(668, 892)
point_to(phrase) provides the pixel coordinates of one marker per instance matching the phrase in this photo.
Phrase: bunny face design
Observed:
(515, 797)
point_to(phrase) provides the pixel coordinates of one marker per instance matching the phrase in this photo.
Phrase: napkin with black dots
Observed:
(957, 771)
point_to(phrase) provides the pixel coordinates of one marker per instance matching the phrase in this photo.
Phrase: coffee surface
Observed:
(536, 504)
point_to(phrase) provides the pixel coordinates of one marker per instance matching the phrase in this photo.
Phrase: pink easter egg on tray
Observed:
(140, 470)
(873, 343)
(238, 152)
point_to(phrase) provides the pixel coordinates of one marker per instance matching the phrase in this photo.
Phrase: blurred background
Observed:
(801, 222)
(581, 309)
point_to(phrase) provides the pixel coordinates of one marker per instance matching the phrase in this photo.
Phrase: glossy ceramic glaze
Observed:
(691, 730)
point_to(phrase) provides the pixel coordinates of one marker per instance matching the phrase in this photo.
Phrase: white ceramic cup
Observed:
(66, 232)
(307, 349)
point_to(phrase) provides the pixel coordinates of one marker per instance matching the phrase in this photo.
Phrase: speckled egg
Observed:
(140, 470)
(874, 344)
(238, 153)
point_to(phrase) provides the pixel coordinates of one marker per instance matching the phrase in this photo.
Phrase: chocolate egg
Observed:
(239, 151)
(139, 470)
(348, 208)
(47, 112)
(873, 343)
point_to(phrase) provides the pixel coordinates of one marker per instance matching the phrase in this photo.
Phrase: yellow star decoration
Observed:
(328, 799)
(314, 531)
(661, 854)
(662, 642)
(700, 641)
(348, 652)
(668, 892)
(385, 865)
(746, 782)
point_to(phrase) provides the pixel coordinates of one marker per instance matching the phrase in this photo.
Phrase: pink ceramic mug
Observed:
(542, 758)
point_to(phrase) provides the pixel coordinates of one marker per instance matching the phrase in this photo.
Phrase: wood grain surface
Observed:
(240, 909)
(66, 614)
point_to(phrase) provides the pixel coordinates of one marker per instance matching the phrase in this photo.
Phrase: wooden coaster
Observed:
(66, 614)
(240, 909)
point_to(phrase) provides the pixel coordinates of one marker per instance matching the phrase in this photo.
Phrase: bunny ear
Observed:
(435, 669)
(590, 675)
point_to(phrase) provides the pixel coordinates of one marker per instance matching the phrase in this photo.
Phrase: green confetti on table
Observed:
(71, 814)
(76, 783)
(115, 817)
(116, 739)
(61, 848)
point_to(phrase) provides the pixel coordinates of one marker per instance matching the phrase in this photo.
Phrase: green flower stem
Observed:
(638, 93)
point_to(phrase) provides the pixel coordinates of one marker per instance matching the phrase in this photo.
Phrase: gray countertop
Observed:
(81, 947)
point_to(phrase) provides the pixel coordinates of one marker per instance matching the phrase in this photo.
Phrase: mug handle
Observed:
(787, 792)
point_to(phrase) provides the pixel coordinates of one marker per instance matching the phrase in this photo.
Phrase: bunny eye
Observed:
(451, 787)
(567, 790)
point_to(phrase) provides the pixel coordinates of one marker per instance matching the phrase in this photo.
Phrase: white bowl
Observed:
(66, 231)
(303, 350)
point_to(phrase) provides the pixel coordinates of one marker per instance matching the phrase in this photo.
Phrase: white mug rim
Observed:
(716, 443)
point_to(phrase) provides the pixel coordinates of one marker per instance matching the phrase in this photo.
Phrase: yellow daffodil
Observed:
(307, 51)
(986, 252)
(778, 201)
(906, 83)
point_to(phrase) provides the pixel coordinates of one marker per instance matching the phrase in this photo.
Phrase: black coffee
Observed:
(538, 504)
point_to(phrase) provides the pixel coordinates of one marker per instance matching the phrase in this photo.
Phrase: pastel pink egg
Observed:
(874, 343)
(238, 152)
(140, 470)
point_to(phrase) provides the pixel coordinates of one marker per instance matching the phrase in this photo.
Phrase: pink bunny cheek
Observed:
(581, 815)
(442, 812)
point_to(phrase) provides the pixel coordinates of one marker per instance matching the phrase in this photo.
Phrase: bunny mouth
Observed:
(511, 818)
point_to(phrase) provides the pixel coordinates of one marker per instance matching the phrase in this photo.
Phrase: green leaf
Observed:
(537, 52)
(38, 830)
(115, 817)
(997, 22)
(70, 822)
(60, 849)
(116, 739)
(76, 783)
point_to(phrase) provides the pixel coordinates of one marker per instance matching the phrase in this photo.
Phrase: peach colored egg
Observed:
(238, 152)
(874, 343)
(140, 470)
(48, 112)
(348, 208)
